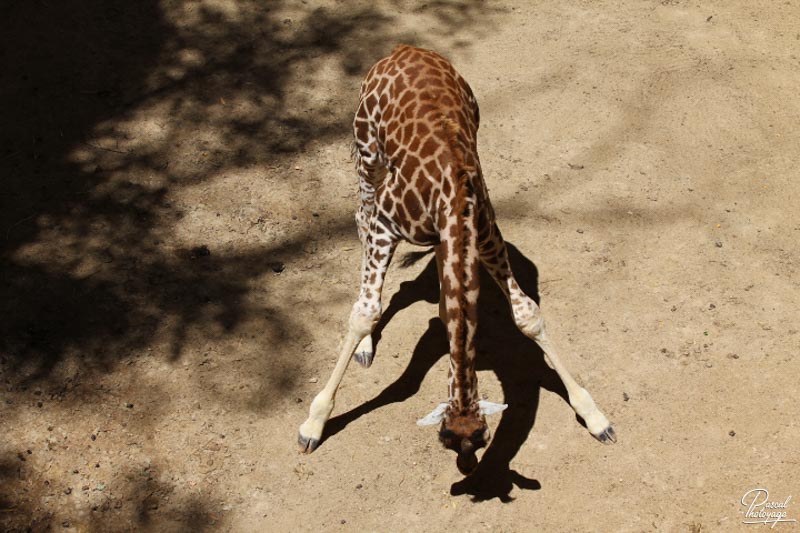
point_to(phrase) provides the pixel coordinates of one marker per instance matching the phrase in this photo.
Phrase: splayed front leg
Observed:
(363, 318)
(310, 432)
(579, 398)
(528, 319)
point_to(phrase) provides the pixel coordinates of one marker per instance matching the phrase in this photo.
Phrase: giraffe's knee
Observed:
(363, 318)
(528, 317)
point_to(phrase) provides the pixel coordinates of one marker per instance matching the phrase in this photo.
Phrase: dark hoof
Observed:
(607, 436)
(306, 444)
(364, 358)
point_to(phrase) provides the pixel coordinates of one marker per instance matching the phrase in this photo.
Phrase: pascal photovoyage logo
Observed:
(759, 509)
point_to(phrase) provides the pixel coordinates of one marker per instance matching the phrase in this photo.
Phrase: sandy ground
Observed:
(179, 259)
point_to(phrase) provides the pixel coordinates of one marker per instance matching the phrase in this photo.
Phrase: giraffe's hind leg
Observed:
(529, 320)
(370, 172)
(365, 352)
(365, 314)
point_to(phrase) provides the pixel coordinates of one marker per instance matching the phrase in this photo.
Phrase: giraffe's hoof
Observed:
(607, 436)
(306, 444)
(364, 358)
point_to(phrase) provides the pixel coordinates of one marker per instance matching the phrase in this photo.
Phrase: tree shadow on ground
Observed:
(114, 114)
(112, 109)
(516, 360)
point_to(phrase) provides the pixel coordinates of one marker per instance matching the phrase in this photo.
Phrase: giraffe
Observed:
(420, 180)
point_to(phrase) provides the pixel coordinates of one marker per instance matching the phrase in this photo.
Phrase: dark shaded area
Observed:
(111, 110)
(86, 225)
(516, 360)
(106, 278)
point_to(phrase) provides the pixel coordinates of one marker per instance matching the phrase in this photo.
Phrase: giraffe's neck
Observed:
(461, 282)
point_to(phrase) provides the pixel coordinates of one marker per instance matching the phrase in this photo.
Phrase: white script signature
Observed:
(760, 510)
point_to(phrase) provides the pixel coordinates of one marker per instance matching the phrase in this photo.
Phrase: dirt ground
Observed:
(179, 258)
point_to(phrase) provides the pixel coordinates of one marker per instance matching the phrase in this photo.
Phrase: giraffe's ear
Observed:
(435, 416)
(489, 408)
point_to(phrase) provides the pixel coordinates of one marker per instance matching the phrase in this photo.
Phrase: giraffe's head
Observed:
(463, 430)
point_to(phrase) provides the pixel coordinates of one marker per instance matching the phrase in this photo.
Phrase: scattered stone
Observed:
(712, 306)
(579, 230)
(718, 244)
(359, 486)
(277, 267)
(313, 380)
(68, 491)
(733, 356)
(129, 405)
(93, 436)
(625, 397)
(732, 433)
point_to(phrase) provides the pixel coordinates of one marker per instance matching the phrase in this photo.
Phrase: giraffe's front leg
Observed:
(363, 318)
(528, 319)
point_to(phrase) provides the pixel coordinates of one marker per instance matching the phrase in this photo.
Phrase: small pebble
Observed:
(732, 433)
(718, 244)
(313, 380)
(129, 405)
(359, 486)
(580, 231)
(712, 306)
(625, 397)
(67, 491)
(93, 436)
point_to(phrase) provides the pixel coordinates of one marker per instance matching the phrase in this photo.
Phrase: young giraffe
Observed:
(420, 180)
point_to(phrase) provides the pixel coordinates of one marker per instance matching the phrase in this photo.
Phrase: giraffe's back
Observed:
(399, 125)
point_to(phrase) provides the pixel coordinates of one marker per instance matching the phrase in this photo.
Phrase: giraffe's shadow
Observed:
(516, 360)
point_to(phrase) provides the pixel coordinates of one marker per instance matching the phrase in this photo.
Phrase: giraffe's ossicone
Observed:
(420, 180)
